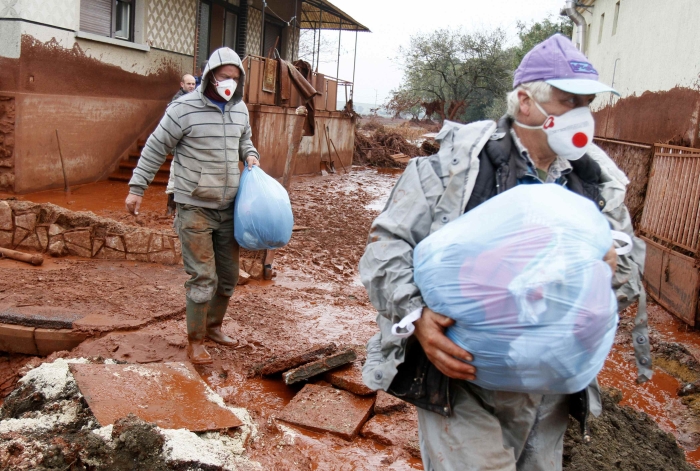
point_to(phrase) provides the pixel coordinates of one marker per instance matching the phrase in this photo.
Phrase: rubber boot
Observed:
(215, 316)
(196, 330)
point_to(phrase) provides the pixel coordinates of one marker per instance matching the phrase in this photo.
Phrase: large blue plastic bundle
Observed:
(262, 214)
(522, 276)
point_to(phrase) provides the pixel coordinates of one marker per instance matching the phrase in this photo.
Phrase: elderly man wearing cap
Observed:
(545, 137)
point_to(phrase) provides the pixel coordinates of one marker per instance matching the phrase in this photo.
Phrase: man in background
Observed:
(187, 85)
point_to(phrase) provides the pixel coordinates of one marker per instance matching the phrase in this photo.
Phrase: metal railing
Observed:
(672, 210)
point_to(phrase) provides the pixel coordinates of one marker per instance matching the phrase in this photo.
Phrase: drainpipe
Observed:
(570, 11)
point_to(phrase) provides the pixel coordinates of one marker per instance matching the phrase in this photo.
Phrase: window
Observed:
(230, 22)
(110, 18)
(600, 31)
(122, 19)
(617, 15)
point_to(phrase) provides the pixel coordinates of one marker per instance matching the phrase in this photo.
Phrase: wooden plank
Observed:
(679, 286)
(653, 266)
(315, 368)
(284, 363)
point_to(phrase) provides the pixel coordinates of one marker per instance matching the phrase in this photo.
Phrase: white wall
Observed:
(656, 44)
(168, 25)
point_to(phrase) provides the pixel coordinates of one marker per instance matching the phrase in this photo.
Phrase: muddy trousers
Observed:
(210, 254)
(495, 431)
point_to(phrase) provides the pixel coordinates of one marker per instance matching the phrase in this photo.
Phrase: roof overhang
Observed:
(322, 14)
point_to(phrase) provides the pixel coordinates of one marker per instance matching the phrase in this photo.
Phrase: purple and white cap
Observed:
(557, 62)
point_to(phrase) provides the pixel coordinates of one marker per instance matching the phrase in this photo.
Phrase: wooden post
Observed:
(297, 127)
(66, 188)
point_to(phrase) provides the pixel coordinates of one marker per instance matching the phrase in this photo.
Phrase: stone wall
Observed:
(51, 229)
(7, 143)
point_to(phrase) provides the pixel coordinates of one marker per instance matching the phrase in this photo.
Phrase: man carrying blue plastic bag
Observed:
(208, 132)
(545, 138)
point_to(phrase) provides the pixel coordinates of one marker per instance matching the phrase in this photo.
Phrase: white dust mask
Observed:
(568, 135)
(225, 88)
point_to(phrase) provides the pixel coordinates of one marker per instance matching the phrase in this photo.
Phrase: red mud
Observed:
(670, 117)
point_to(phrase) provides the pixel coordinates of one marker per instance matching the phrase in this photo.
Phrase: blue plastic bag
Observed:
(262, 214)
(522, 276)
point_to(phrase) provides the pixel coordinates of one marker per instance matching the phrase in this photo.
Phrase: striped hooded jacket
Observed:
(206, 144)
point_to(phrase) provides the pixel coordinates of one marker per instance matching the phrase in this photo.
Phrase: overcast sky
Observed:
(392, 23)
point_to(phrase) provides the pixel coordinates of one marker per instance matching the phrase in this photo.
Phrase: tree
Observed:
(403, 102)
(449, 71)
(532, 35)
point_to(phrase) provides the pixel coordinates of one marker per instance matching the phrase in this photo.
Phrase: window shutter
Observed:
(203, 33)
(272, 33)
(96, 17)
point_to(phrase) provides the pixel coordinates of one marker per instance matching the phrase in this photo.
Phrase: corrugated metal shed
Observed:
(322, 14)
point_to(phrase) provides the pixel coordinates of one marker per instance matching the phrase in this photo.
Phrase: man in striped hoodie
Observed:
(208, 133)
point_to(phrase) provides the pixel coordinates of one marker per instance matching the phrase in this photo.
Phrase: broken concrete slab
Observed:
(396, 429)
(102, 323)
(317, 367)
(328, 410)
(243, 277)
(56, 340)
(17, 339)
(349, 377)
(387, 403)
(280, 364)
(39, 316)
(171, 395)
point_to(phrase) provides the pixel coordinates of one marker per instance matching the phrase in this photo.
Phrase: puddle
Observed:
(97, 197)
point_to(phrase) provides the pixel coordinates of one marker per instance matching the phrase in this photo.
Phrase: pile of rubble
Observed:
(385, 148)
(47, 424)
(336, 401)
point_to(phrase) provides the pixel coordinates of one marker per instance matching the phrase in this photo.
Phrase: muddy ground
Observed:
(134, 313)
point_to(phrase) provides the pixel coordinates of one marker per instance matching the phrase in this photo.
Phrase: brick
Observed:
(166, 257)
(387, 403)
(111, 254)
(317, 367)
(5, 216)
(57, 247)
(55, 229)
(56, 340)
(26, 221)
(77, 250)
(6, 238)
(17, 339)
(43, 236)
(137, 257)
(30, 242)
(349, 377)
(278, 364)
(156, 244)
(328, 410)
(97, 244)
(137, 242)
(114, 242)
(398, 429)
(80, 238)
(20, 234)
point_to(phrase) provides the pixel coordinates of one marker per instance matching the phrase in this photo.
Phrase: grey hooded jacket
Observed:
(206, 144)
(431, 193)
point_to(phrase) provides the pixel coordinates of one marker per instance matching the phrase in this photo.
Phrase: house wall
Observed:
(653, 61)
(99, 94)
